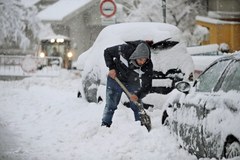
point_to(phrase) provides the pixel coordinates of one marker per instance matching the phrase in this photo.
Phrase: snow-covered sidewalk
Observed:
(42, 119)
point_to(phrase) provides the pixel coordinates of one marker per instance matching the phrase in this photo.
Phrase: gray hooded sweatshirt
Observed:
(142, 51)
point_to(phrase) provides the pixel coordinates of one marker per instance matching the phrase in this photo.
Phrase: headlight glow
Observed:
(42, 54)
(60, 40)
(69, 54)
(52, 40)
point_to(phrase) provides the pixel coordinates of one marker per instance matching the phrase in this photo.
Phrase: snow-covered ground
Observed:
(42, 119)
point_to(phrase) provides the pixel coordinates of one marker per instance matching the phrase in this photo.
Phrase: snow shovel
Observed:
(144, 118)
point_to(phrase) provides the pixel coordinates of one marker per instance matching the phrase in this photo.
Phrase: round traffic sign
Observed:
(108, 8)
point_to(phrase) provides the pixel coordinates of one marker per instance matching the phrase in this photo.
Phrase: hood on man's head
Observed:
(142, 51)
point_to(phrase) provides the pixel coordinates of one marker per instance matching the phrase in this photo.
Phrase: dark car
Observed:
(205, 117)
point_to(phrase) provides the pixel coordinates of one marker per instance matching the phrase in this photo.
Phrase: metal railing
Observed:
(11, 65)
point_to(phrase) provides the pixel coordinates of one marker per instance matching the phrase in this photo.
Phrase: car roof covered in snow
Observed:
(112, 35)
(120, 33)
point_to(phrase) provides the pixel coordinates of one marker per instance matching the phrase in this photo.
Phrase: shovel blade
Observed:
(146, 121)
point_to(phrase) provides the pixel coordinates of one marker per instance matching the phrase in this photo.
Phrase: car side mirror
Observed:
(183, 87)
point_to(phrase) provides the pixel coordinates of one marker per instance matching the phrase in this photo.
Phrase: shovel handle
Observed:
(145, 119)
(125, 90)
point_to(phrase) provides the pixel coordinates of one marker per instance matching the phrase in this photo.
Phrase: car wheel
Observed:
(90, 87)
(232, 148)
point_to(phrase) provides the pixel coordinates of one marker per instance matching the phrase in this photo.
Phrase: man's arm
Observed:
(109, 55)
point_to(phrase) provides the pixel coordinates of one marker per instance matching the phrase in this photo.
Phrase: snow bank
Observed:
(41, 118)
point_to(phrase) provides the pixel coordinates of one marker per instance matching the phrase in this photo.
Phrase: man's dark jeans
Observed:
(113, 96)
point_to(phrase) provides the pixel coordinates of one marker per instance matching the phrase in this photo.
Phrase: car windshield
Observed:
(208, 80)
(232, 80)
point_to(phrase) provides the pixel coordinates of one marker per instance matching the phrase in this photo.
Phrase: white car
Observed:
(205, 116)
(171, 62)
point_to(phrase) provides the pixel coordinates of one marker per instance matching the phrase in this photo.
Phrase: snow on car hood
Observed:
(176, 57)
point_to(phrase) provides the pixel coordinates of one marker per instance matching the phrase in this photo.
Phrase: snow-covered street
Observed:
(50, 50)
(42, 118)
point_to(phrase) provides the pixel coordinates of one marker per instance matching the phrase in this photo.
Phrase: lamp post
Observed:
(164, 10)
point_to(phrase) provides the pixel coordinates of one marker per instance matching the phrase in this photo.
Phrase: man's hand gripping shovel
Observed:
(144, 118)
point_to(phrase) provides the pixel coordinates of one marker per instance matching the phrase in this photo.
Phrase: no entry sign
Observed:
(108, 8)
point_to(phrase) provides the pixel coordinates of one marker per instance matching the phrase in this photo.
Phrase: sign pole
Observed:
(164, 10)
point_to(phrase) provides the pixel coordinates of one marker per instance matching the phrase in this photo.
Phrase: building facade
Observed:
(81, 22)
(223, 23)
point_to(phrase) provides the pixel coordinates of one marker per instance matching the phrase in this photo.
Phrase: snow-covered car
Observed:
(170, 63)
(205, 116)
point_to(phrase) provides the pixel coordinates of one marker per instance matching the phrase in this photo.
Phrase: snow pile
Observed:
(29, 64)
(41, 118)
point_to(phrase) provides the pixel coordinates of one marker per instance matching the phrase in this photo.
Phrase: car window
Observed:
(208, 80)
(232, 80)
